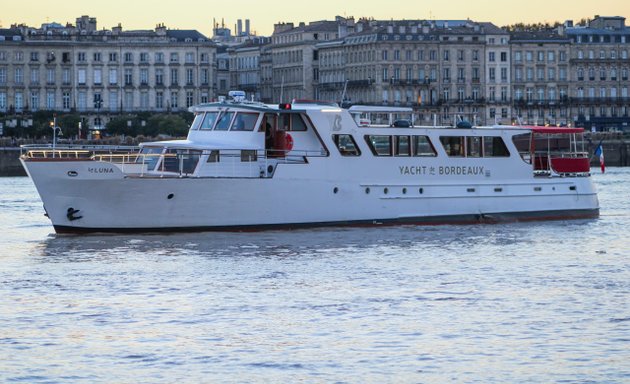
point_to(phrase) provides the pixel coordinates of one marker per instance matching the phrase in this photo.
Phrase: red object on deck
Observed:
(550, 130)
(570, 164)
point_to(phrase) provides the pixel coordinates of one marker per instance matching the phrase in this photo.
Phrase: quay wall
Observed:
(10, 162)
(616, 154)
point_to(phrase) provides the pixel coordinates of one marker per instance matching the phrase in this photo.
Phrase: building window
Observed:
(113, 76)
(128, 57)
(66, 100)
(189, 76)
(174, 100)
(113, 100)
(19, 101)
(205, 77)
(491, 56)
(81, 76)
(144, 76)
(113, 56)
(190, 58)
(189, 99)
(144, 57)
(174, 76)
(98, 78)
(81, 57)
(34, 56)
(159, 57)
(34, 76)
(82, 101)
(50, 100)
(159, 100)
(174, 57)
(34, 100)
(128, 101)
(159, 76)
(3, 101)
(128, 76)
(19, 75)
(144, 101)
(97, 56)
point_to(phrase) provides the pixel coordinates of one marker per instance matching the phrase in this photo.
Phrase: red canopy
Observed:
(550, 130)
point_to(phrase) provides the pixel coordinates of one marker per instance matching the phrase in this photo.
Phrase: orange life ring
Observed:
(288, 142)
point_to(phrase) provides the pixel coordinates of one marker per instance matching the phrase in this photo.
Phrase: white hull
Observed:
(112, 202)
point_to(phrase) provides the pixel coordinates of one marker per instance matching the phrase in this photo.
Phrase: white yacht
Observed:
(251, 166)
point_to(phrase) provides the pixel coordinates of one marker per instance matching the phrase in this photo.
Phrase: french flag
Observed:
(600, 152)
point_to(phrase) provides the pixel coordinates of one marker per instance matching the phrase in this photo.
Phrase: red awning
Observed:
(550, 130)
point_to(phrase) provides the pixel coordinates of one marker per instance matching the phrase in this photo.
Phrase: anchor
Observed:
(71, 214)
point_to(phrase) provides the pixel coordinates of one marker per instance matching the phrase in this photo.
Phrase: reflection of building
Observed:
(599, 73)
(100, 72)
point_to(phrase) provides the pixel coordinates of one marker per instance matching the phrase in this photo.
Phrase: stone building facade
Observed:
(599, 73)
(99, 73)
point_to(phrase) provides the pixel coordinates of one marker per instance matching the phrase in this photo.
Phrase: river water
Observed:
(536, 302)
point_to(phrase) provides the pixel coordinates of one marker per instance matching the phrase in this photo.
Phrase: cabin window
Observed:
(403, 146)
(473, 146)
(453, 145)
(208, 121)
(346, 145)
(297, 123)
(180, 161)
(149, 156)
(523, 144)
(380, 145)
(248, 155)
(213, 157)
(197, 122)
(224, 121)
(245, 121)
(494, 146)
(422, 147)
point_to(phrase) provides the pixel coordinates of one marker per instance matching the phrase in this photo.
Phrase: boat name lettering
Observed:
(441, 170)
(100, 170)
(475, 171)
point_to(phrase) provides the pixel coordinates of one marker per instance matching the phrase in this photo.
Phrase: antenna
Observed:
(343, 94)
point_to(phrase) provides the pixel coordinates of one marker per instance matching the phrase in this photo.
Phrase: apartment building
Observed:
(294, 56)
(599, 68)
(540, 78)
(103, 72)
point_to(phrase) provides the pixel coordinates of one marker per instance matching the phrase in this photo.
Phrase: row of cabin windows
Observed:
(421, 146)
(245, 121)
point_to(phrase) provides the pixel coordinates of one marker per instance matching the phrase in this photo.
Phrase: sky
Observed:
(199, 14)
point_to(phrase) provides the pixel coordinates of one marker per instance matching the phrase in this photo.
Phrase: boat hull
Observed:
(83, 197)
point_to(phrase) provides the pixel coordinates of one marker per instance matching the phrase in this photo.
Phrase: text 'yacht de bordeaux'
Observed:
(251, 166)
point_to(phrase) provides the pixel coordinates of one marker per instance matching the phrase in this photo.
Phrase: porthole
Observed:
(367, 191)
(404, 191)
(170, 196)
(386, 191)
(421, 190)
(335, 190)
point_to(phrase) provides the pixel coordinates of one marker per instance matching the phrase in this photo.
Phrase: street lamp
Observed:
(53, 125)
